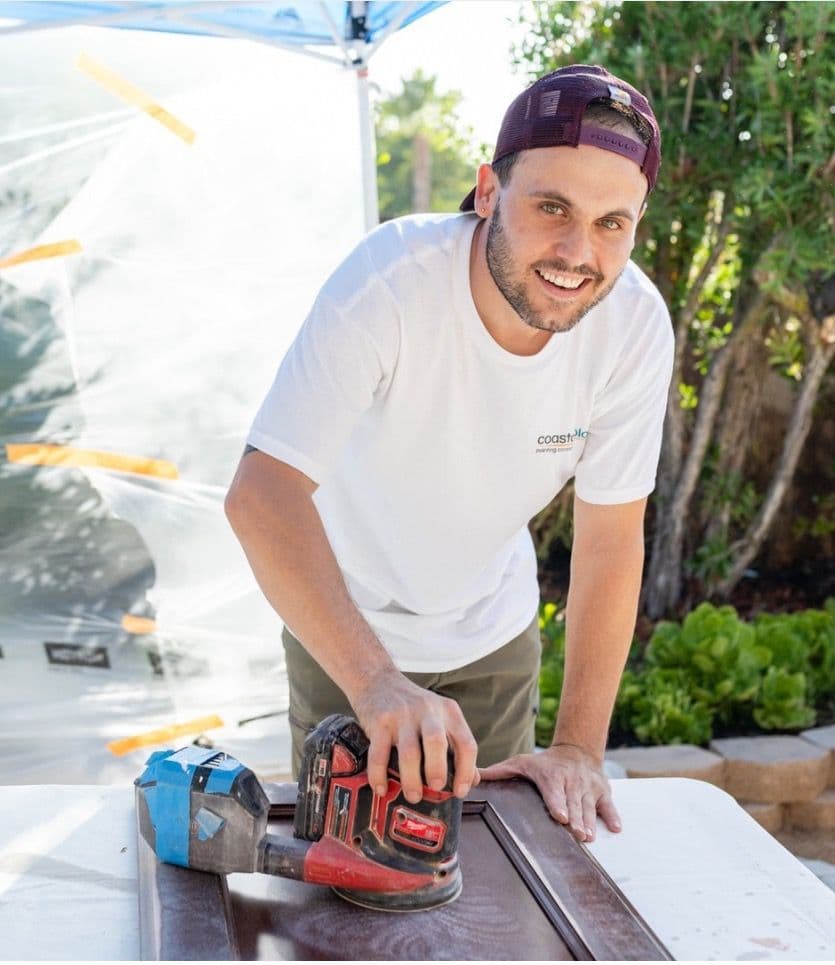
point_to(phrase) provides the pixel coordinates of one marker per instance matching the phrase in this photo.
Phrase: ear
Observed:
(486, 191)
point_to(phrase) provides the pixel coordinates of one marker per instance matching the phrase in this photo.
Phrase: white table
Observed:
(704, 875)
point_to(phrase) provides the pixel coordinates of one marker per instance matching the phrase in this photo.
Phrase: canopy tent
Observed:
(149, 284)
(352, 31)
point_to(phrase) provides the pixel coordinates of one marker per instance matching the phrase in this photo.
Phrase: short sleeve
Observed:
(340, 361)
(620, 456)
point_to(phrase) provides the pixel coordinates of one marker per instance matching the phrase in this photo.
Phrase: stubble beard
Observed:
(501, 267)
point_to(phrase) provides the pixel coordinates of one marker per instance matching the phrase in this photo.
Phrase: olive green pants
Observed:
(498, 694)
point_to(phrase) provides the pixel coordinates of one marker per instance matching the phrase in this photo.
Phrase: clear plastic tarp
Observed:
(158, 261)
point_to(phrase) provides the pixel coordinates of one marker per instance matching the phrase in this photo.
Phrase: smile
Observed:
(568, 283)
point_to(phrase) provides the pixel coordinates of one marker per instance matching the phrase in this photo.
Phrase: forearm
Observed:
(273, 515)
(600, 622)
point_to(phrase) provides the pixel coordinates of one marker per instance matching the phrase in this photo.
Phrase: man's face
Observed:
(561, 231)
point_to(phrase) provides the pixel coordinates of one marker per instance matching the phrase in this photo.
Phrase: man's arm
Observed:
(606, 562)
(271, 510)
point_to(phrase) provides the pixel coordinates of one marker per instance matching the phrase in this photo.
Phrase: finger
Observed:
(465, 750)
(589, 804)
(434, 756)
(608, 813)
(575, 814)
(409, 760)
(555, 802)
(504, 769)
(379, 752)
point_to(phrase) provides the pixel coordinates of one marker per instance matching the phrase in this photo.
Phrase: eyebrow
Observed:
(553, 196)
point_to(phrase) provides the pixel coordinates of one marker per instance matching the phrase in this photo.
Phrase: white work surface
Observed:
(705, 876)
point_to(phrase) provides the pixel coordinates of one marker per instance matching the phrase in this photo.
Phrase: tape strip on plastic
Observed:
(138, 625)
(37, 454)
(122, 88)
(56, 249)
(163, 734)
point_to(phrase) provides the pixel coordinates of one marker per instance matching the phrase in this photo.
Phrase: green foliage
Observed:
(711, 671)
(730, 502)
(552, 630)
(803, 643)
(421, 115)
(659, 708)
(719, 655)
(782, 701)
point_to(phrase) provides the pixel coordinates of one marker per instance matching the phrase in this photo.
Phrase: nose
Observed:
(573, 245)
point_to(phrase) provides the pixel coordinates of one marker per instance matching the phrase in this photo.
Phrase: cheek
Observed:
(617, 250)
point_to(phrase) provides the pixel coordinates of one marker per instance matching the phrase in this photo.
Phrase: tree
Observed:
(425, 155)
(738, 237)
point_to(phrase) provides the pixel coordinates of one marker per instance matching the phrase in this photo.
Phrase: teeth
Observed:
(564, 281)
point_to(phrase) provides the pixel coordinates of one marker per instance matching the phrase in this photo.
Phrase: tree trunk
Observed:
(664, 579)
(746, 549)
(738, 421)
(657, 590)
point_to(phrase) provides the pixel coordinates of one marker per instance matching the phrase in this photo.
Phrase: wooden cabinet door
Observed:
(531, 892)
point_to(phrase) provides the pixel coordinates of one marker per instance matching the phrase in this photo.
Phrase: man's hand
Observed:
(393, 711)
(571, 782)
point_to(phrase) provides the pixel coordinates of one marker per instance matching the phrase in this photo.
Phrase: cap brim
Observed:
(468, 204)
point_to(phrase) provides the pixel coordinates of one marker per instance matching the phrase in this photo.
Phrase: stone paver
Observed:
(672, 760)
(824, 737)
(817, 815)
(769, 816)
(770, 770)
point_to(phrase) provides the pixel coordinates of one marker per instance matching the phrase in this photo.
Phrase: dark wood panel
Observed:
(495, 917)
(531, 892)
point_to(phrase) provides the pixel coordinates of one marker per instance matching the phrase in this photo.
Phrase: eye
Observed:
(610, 224)
(552, 207)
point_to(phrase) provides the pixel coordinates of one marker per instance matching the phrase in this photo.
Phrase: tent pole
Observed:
(368, 149)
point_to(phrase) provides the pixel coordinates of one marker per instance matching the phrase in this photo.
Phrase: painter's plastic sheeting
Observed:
(129, 373)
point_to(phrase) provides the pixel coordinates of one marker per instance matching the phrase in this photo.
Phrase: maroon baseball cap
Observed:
(550, 114)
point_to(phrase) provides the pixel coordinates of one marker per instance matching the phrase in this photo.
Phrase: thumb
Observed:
(504, 769)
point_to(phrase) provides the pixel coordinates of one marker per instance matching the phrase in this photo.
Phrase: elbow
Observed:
(234, 505)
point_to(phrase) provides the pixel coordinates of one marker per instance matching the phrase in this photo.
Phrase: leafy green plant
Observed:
(713, 669)
(719, 654)
(781, 704)
(659, 708)
(803, 643)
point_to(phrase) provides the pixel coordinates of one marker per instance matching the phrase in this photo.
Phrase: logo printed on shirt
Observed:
(560, 441)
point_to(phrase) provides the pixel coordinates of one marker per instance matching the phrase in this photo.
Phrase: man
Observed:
(454, 373)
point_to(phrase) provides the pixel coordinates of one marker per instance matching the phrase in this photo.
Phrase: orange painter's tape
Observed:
(55, 250)
(127, 744)
(37, 454)
(122, 88)
(138, 625)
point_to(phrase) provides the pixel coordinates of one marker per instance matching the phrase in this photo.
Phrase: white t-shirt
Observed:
(433, 446)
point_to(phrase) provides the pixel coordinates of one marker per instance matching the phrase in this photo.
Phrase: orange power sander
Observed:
(203, 809)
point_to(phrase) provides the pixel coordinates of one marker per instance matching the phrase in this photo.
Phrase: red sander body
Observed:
(203, 809)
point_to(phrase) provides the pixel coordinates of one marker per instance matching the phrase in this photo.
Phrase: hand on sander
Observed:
(202, 809)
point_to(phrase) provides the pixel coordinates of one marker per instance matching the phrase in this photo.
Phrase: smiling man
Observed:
(453, 374)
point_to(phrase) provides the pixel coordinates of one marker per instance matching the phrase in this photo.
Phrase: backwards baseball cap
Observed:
(550, 114)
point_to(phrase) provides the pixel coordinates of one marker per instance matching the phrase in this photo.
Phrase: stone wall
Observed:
(783, 782)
